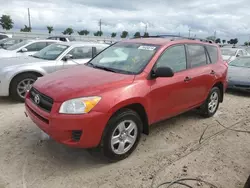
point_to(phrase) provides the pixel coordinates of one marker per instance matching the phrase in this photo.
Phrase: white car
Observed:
(18, 74)
(25, 48)
(230, 54)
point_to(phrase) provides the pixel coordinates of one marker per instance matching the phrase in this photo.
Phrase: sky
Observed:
(229, 18)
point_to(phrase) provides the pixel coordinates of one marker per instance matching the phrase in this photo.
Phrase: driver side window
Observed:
(174, 58)
(81, 52)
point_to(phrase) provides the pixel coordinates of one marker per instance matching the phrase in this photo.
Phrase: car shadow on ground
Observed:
(82, 158)
(8, 101)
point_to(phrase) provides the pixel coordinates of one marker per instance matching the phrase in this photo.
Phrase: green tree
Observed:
(113, 35)
(50, 29)
(146, 34)
(83, 32)
(223, 41)
(233, 41)
(246, 43)
(68, 31)
(137, 35)
(26, 29)
(218, 40)
(228, 42)
(6, 22)
(124, 34)
(98, 33)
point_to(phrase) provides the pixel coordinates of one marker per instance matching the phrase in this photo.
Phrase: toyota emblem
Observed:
(37, 99)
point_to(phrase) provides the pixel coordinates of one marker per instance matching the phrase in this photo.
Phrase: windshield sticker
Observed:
(150, 48)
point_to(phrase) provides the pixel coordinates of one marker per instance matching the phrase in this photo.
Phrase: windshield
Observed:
(240, 62)
(18, 45)
(50, 52)
(128, 58)
(228, 52)
(4, 40)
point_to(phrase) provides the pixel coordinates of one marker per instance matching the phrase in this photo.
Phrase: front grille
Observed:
(44, 102)
(38, 116)
(76, 135)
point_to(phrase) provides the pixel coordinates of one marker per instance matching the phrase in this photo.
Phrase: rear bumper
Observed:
(60, 126)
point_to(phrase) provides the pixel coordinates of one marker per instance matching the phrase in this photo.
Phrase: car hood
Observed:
(240, 74)
(18, 61)
(80, 81)
(7, 53)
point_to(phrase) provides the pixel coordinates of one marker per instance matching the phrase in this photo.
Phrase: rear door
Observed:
(201, 73)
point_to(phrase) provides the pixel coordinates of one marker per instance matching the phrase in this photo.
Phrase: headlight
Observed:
(79, 105)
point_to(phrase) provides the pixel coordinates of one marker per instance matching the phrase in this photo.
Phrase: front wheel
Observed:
(20, 85)
(210, 106)
(122, 135)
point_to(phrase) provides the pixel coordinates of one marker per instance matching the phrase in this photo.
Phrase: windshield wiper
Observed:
(104, 68)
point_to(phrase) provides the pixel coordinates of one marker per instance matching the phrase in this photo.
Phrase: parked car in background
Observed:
(25, 48)
(230, 54)
(239, 74)
(112, 99)
(7, 42)
(18, 74)
(3, 36)
(63, 38)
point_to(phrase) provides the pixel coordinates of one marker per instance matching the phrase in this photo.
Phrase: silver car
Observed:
(230, 54)
(18, 74)
(25, 48)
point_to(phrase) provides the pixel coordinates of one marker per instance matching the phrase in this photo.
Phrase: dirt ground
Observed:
(173, 150)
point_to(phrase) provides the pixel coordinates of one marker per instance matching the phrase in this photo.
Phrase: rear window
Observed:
(213, 53)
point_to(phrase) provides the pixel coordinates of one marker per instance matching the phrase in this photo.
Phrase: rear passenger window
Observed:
(174, 58)
(81, 52)
(197, 55)
(213, 53)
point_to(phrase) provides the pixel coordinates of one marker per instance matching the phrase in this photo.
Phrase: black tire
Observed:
(247, 184)
(125, 114)
(14, 83)
(204, 109)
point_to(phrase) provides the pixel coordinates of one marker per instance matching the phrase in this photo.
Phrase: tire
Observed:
(25, 77)
(247, 184)
(206, 110)
(128, 118)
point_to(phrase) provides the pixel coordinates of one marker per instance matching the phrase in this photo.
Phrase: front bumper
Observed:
(60, 126)
(236, 85)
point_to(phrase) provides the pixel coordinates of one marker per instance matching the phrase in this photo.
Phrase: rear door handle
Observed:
(187, 79)
(212, 72)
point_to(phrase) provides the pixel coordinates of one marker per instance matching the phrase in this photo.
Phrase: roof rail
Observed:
(178, 37)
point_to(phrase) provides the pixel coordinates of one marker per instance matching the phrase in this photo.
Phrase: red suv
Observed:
(129, 86)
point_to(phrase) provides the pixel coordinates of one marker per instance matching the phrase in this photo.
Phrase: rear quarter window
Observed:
(213, 53)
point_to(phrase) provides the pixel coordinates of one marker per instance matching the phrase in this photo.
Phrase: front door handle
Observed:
(212, 72)
(187, 79)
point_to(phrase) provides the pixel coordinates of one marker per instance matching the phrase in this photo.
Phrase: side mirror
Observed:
(67, 57)
(23, 50)
(238, 55)
(162, 72)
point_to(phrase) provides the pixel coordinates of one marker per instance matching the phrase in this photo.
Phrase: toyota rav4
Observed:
(108, 102)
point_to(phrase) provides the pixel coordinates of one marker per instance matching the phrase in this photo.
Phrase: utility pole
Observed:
(214, 35)
(146, 28)
(189, 32)
(29, 17)
(100, 25)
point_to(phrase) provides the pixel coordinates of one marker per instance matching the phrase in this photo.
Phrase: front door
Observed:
(170, 96)
(80, 55)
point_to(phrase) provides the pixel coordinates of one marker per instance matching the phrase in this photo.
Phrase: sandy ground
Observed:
(171, 151)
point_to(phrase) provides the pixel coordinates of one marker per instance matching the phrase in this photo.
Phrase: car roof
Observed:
(82, 43)
(162, 41)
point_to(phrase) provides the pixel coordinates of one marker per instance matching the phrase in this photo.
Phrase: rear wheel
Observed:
(122, 135)
(210, 106)
(20, 85)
